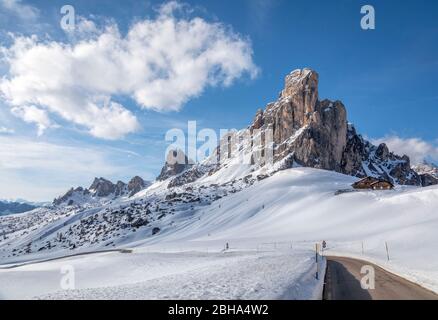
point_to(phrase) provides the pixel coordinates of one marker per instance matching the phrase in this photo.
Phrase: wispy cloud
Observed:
(417, 149)
(259, 12)
(161, 64)
(4, 130)
(32, 114)
(38, 170)
(20, 9)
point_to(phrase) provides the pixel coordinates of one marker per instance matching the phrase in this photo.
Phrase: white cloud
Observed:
(4, 130)
(38, 170)
(23, 11)
(18, 153)
(416, 148)
(32, 114)
(160, 63)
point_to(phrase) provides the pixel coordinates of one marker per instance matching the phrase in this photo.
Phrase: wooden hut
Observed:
(365, 183)
(382, 185)
(371, 183)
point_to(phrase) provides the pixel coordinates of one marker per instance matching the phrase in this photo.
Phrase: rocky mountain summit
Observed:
(317, 134)
(428, 173)
(310, 132)
(299, 129)
(176, 163)
(426, 168)
(102, 188)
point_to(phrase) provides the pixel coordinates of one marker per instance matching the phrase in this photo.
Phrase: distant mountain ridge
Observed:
(102, 188)
(11, 207)
(428, 172)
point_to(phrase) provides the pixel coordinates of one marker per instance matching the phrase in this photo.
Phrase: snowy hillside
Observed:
(262, 207)
(281, 216)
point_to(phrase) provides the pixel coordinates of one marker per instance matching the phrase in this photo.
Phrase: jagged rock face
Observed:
(136, 185)
(428, 180)
(120, 188)
(72, 194)
(314, 131)
(361, 159)
(428, 173)
(102, 187)
(189, 176)
(301, 90)
(317, 134)
(176, 163)
(321, 143)
(308, 131)
(426, 168)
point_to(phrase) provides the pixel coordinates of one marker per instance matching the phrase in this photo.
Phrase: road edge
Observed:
(385, 268)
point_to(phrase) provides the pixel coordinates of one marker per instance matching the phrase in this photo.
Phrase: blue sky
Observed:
(386, 78)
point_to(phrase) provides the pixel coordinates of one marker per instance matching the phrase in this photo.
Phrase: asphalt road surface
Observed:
(343, 277)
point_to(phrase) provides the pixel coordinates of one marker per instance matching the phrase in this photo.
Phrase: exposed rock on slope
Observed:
(426, 168)
(304, 130)
(318, 135)
(136, 185)
(307, 131)
(176, 163)
(428, 173)
(102, 189)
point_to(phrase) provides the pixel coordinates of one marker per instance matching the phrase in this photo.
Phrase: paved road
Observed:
(343, 283)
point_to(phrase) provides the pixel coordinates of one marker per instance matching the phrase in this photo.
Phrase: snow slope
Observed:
(271, 226)
(189, 275)
(299, 205)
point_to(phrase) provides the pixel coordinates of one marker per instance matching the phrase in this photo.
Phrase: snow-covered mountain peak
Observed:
(305, 131)
(176, 163)
(297, 130)
(428, 172)
(299, 81)
(101, 191)
(426, 167)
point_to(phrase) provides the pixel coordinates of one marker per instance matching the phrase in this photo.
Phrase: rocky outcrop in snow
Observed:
(426, 168)
(136, 185)
(101, 189)
(318, 135)
(176, 163)
(306, 131)
(428, 173)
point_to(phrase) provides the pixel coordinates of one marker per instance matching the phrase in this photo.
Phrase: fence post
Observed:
(316, 261)
(387, 250)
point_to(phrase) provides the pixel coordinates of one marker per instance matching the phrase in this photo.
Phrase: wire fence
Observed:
(384, 250)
